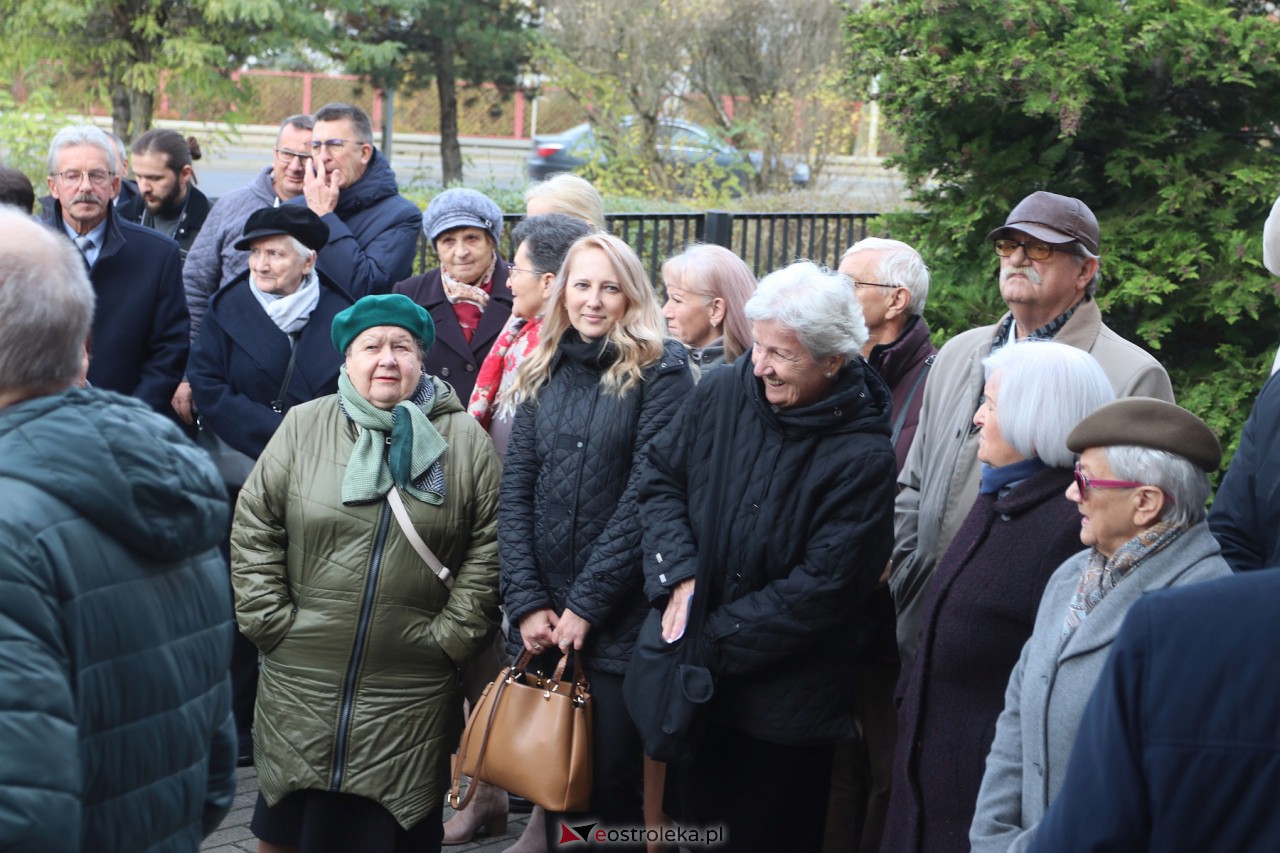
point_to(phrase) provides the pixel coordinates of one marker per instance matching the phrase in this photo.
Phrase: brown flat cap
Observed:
(1147, 422)
(1053, 218)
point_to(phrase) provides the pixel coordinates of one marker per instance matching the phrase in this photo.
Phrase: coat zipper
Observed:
(357, 651)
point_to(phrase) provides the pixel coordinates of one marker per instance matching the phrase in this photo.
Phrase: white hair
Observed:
(82, 134)
(817, 304)
(901, 266)
(1181, 480)
(1046, 388)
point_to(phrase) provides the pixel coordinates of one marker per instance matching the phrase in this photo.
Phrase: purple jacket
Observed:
(899, 364)
(979, 611)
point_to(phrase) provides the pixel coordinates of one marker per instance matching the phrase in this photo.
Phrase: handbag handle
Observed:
(515, 670)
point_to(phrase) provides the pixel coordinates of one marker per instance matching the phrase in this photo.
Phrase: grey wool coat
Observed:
(1052, 682)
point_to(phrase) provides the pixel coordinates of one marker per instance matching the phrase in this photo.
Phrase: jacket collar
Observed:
(896, 358)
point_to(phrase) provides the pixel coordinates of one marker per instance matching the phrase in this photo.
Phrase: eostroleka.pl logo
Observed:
(594, 833)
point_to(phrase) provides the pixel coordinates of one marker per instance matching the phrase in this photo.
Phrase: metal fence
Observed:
(766, 241)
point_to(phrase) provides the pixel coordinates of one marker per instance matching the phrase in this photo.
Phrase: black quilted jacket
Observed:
(806, 527)
(568, 533)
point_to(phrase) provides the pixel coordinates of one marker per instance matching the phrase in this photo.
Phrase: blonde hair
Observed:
(570, 195)
(714, 272)
(637, 337)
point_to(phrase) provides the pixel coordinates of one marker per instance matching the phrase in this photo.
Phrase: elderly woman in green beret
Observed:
(358, 707)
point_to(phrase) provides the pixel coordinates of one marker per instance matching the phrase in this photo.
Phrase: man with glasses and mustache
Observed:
(138, 342)
(373, 230)
(213, 259)
(1049, 264)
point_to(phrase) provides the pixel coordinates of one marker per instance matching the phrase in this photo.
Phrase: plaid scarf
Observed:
(469, 300)
(1101, 575)
(413, 447)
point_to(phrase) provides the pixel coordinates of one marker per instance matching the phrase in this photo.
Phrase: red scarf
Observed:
(517, 340)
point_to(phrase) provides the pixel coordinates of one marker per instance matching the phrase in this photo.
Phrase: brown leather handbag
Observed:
(530, 735)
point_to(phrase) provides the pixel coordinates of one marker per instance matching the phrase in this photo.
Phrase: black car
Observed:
(679, 142)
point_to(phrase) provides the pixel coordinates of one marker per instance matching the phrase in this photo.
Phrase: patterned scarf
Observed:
(413, 447)
(1046, 332)
(469, 300)
(493, 383)
(1101, 575)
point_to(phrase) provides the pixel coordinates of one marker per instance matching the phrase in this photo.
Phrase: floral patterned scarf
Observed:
(498, 372)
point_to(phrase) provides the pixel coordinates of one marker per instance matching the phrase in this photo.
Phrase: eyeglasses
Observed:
(511, 269)
(857, 283)
(286, 155)
(331, 144)
(1037, 250)
(73, 177)
(1083, 484)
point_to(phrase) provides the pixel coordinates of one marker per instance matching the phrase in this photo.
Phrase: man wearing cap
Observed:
(1048, 249)
(264, 349)
(1141, 485)
(467, 296)
(1177, 749)
(373, 230)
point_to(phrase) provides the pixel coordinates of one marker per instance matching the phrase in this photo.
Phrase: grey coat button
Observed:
(444, 373)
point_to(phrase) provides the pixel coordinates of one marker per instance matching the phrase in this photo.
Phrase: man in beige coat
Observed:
(1049, 263)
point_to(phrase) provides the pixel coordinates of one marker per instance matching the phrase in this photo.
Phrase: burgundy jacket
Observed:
(451, 357)
(899, 364)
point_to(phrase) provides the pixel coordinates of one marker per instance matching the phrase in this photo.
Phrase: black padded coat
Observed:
(806, 527)
(569, 534)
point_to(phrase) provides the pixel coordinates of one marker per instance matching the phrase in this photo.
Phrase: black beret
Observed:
(1147, 422)
(296, 220)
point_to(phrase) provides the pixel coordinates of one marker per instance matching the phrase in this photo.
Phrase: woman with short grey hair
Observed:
(981, 602)
(1139, 487)
(770, 497)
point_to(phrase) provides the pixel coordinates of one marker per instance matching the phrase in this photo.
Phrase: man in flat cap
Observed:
(1049, 256)
(1140, 486)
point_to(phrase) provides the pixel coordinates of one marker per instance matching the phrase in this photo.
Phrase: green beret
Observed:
(1147, 422)
(393, 309)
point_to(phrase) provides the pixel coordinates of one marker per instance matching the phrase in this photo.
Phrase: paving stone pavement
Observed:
(233, 835)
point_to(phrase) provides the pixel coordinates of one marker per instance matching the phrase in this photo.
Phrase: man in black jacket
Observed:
(168, 200)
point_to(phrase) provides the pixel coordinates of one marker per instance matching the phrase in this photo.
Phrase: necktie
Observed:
(84, 243)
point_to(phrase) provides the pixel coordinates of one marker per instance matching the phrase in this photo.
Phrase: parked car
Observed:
(679, 142)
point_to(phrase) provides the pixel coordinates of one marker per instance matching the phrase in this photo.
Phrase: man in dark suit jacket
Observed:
(1178, 747)
(139, 340)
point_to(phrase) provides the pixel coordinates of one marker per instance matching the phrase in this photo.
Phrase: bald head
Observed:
(46, 307)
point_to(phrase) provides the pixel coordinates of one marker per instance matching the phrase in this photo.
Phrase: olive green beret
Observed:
(1147, 422)
(394, 309)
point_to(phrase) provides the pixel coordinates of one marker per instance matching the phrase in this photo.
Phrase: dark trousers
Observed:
(769, 797)
(616, 778)
(244, 667)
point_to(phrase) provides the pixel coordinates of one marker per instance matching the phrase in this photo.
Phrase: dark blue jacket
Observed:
(115, 630)
(139, 340)
(1246, 511)
(373, 233)
(453, 358)
(239, 361)
(1179, 747)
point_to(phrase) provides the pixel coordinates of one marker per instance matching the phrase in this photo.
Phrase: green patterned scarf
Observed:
(413, 447)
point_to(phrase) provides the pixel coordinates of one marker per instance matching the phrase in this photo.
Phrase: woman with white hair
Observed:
(982, 599)
(1140, 487)
(794, 528)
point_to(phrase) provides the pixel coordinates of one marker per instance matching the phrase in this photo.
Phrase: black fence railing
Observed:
(766, 241)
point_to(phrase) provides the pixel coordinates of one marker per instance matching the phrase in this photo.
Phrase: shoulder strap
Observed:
(427, 555)
(277, 405)
(906, 403)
